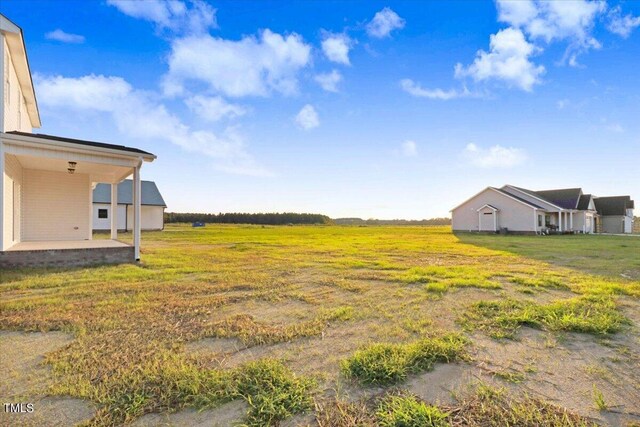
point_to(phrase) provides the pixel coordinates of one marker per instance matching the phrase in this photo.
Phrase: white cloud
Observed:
(507, 60)
(614, 127)
(329, 81)
(138, 116)
(495, 156)
(555, 20)
(249, 66)
(307, 118)
(383, 23)
(414, 89)
(173, 15)
(214, 108)
(63, 37)
(336, 48)
(562, 103)
(622, 25)
(409, 149)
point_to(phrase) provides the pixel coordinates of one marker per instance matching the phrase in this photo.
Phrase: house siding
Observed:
(16, 116)
(56, 206)
(151, 217)
(511, 214)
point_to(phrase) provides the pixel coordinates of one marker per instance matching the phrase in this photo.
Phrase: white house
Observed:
(151, 213)
(519, 210)
(46, 182)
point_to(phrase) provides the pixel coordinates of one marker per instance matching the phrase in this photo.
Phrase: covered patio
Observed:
(46, 202)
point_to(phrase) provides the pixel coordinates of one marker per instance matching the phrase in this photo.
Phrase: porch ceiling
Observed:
(98, 172)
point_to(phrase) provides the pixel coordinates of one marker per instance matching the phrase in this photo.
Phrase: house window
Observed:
(539, 220)
(547, 220)
(103, 214)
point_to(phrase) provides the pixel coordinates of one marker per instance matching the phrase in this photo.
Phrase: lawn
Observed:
(330, 325)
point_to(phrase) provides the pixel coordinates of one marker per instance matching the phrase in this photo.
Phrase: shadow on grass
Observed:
(610, 256)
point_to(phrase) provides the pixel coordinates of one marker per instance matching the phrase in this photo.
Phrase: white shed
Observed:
(152, 207)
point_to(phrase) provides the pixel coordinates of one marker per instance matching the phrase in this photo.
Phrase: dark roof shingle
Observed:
(615, 205)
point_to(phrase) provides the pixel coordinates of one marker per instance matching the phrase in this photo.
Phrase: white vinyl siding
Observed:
(56, 206)
(15, 108)
(512, 214)
(152, 217)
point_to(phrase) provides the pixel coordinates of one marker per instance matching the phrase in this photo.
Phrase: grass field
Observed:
(333, 326)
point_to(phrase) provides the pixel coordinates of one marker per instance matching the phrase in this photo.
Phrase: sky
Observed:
(346, 108)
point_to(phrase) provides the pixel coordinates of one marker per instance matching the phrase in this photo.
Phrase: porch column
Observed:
(114, 211)
(560, 221)
(2, 248)
(137, 188)
(571, 220)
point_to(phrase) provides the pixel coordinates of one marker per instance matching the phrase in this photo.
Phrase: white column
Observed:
(2, 248)
(571, 220)
(560, 221)
(535, 221)
(136, 210)
(479, 221)
(114, 211)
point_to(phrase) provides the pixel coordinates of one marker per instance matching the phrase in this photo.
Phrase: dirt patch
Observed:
(25, 380)
(225, 415)
(568, 370)
(274, 312)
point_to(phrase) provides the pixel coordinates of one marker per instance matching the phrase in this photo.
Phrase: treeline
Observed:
(360, 221)
(249, 218)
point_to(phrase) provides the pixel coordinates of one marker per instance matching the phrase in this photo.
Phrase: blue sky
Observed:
(369, 109)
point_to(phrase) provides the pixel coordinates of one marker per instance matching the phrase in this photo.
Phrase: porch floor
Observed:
(67, 244)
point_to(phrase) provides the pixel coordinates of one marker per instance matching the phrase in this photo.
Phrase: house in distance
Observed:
(519, 210)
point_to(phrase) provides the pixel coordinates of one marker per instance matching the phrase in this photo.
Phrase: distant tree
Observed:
(248, 218)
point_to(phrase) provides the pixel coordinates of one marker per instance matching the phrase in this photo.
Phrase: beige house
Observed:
(46, 182)
(515, 209)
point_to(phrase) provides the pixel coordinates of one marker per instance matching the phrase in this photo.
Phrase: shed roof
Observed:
(614, 205)
(150, 194)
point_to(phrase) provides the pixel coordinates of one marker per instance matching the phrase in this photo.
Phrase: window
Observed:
(547, 220)
(488, 213)
(103, 214)
(539, 220)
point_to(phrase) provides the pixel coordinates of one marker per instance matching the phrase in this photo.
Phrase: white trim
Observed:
(497, 191)
(38, 142)
(137, 189)
(530, 195)
(486, 205)
(17, 51)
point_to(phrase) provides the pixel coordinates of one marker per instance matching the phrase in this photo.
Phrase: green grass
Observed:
(407, 411)
(132, 324)
(384, 364)
(588, 314)
(482, 407)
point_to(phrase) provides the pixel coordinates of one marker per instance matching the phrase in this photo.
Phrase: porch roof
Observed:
(83, 143)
